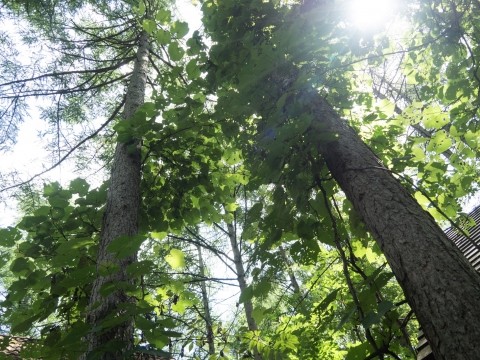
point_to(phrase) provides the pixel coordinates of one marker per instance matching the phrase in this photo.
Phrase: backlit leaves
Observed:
(176, 259)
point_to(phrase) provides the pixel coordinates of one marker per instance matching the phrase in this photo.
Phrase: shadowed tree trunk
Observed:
(109, 299)
(441, 286)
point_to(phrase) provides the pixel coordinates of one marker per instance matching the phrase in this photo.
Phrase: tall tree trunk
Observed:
(247, 305)
(206, 305)
(441, 286)
(120, 219)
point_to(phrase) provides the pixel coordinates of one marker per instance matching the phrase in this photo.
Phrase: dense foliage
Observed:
(230, 166)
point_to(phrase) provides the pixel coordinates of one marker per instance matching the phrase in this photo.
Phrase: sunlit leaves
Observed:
(439, 142)
(434, 118)
(176, 259)
(358, 351)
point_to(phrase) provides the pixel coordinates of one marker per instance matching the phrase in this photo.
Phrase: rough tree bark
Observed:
(206, 306)
(441, 286)
(247, 305)
(120, 219)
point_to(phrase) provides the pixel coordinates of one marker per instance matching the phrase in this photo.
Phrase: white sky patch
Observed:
(371, 14)
(189, 11)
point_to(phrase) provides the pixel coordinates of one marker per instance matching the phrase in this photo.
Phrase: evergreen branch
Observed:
(72, 72)
(83, 141)
(76, 89)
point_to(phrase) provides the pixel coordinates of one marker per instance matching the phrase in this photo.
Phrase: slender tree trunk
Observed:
(441, 286)
(247, 305)
(120, 219)
(291, 275)
(206, 305)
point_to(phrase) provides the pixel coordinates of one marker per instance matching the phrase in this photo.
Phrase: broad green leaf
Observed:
(51, 188)
(231, 207)
(176, 53)
(140, 268)
(261, 289)
(327, 301)
(473, 139)
(157, 338)
(180, 28)
(21, 265)
(8, 236)
(176, 259)
(418, 153)
(358, 352)
(439, 142)
(125, 246)
(181, 305)
(193, 71)
(258, 314)
(163, 16)
(25, 325)
(79, 186)
(159, 235)
(434, 118)
(143, 324)
(149, 26)
(384, 307)
(163, 37)
(246, 294)
(451, 91)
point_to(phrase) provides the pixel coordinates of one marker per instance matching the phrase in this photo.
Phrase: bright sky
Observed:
(29, 156)
(370, 14)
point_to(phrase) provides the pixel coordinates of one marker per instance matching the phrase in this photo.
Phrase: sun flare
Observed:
(369, 14)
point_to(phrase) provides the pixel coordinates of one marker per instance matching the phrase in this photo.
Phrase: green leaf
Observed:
(25, 325)
(262, 288)
(51, 188)
(21, 266)
(255, 211)
(149, 26)
(384, 307)
(148, 108)
(157, 338)
(434, 118)
(163, 37)
(180, 28)
(246, 294)
(8, 236)
(439, 142)
(258, 314)
(143, 324)
(79, 186)
(451, 91)
(371, 318)
(327, 301)
(176, 53)
(231, 207)
(140, 268)
(124, 246)
(163, 16)
(193, 71)
(159, 235)
(176, 259)
(359, 352)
